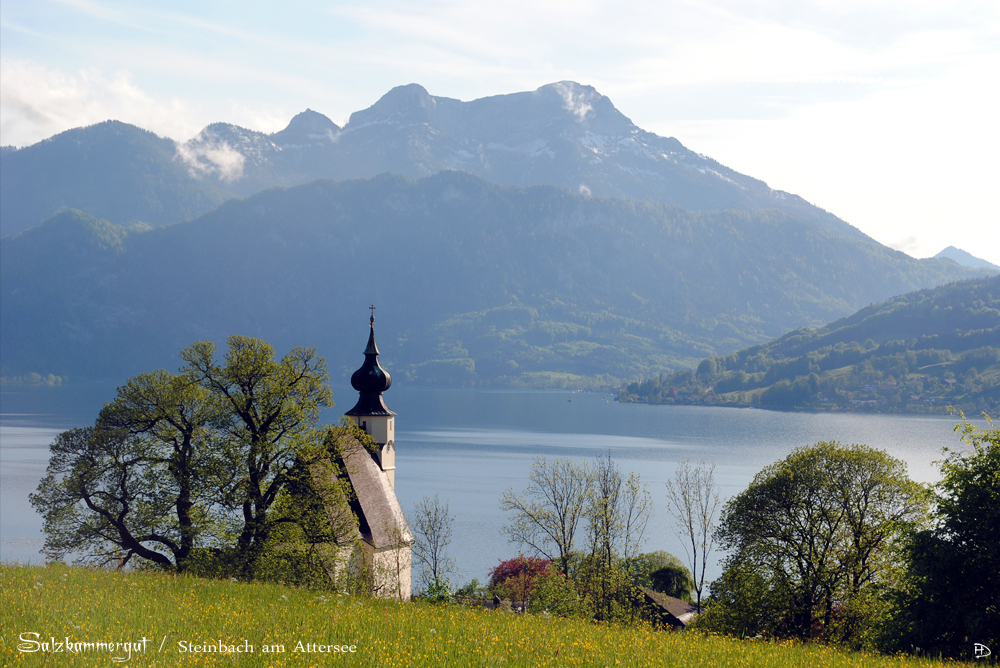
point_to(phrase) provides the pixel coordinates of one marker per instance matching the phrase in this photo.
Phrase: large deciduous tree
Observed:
(662, 572)
(170, 419)
(819, 532)
(617, 514)
(272, 411)
(188, 461)
(102, 501)
(953, 595)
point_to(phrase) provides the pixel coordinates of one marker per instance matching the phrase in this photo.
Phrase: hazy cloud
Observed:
(910, 245)
(207, 156)
(37, 102)
(578, 105)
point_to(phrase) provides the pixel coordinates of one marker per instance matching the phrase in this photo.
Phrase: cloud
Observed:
(911, 245)
(37, 102)
(207, 156)
(577, 105)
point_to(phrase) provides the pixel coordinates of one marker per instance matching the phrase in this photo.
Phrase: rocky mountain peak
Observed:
(964, 258)
(306, 127)
(584, 106)
(403, 104)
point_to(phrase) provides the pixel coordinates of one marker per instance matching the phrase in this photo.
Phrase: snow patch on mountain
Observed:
(532, 148)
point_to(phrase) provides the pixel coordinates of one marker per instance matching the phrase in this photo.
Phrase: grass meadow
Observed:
(85, 605)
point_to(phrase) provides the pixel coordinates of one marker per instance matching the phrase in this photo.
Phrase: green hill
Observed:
(475, 283)
(921, 351)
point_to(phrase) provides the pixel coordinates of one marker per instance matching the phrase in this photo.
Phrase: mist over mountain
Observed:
(562, 134)
(475, 283)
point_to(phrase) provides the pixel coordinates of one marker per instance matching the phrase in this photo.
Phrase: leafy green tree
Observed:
(272, 412)
(745, 601)
(139, 483)
(556, 594)
(662, 572)
(953, 567)
(170, 417)
(192, 462)
(607, 590)
(824, 531)
(314, 525)
(102, 501)
(673, 581)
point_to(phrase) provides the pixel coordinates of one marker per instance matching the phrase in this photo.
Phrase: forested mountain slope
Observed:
(111, 170)
(475, 283)
(917, 352)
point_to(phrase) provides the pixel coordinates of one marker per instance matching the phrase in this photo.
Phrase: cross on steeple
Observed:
(372, 319)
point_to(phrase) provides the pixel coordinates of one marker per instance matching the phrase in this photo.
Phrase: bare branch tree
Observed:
(432, 533)
(617, 514)
(619, 511)
(637, 506)
(546, 515)
(693, 501)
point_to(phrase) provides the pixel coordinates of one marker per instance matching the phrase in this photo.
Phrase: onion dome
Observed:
(371, 380)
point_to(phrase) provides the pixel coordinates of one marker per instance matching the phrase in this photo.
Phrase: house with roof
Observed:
(668, 611)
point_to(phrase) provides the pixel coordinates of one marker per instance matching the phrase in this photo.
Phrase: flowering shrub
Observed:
(515, 579)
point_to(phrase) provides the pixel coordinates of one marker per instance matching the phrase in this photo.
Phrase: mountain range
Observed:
(475, 283)
(534, 239)
(562, 134)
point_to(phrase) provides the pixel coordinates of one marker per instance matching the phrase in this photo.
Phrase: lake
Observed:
(471, 445)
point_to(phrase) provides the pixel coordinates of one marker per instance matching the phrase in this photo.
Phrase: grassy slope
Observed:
(88, 605)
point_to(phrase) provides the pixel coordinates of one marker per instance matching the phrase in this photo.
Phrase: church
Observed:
(382, 532)
(385, 536)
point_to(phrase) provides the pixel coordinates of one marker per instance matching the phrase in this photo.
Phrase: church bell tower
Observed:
(371, 413)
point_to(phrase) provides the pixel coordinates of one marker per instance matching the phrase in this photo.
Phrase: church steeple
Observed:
(371, 380)
(371, 413)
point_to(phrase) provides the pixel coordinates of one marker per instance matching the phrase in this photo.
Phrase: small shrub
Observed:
(555, 594)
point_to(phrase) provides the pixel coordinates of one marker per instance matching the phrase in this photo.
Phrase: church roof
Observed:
(381, 518)
(371, 380)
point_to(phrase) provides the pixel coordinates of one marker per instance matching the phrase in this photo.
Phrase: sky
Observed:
(883, 112)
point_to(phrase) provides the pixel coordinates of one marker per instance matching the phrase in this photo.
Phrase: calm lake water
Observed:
(469, 446)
